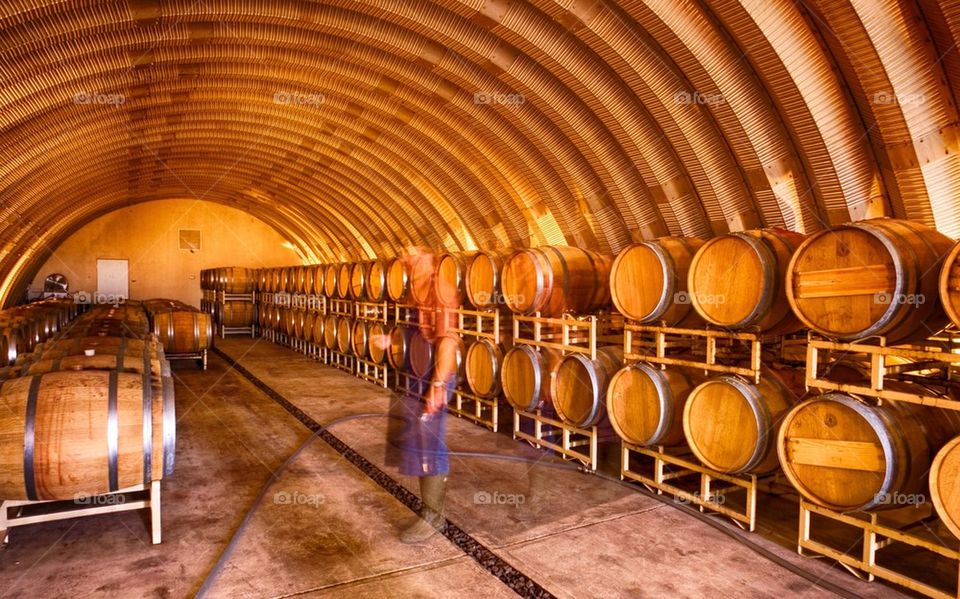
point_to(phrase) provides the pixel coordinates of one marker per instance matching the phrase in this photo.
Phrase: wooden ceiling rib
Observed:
(357, 128)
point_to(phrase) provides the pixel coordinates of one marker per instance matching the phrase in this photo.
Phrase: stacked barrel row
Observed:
(881, 277)
(227, 294)
(180, 328)
(22, 327)
(89, 411)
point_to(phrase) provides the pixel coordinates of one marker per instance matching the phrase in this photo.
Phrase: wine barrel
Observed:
(343, 280)
(845, 454)
(345, 335)
(9, 345)
(70, 433)
(873, 277)
(398, 280)
(183, 332)
(376, 281)
(422, 271)
(721, 269)
(330, 330)
(645, 403)
(945, 485)
(306, 279)
(69, 346)
(316, 276)
(330, 274)
(308, 322)
(360, 338)
(358, 280)
(378, 342)
(319, 325)
(648, 281)
(483, 279)
(448, 358)
(556, 279)
(450, 277)
(579, 387)
(398, 355)
(420, 355)
(262, 280)
(482, 366)
(299, 321)
(730, 423)
(526, 375)
(237, 314)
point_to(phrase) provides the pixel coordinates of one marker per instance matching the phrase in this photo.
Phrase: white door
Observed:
(112, 279)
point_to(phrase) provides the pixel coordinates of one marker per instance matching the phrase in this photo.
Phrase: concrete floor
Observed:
(338, 537)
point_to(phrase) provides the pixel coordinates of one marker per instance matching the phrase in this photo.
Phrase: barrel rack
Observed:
(479, 324)
(566, 334)
(147, 498)
(932, 360)
(880, 531)
(369, 370)
(222, 298)
(661, 469)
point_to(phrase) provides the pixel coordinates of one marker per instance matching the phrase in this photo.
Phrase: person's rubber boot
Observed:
(529, 510)
(433, 489)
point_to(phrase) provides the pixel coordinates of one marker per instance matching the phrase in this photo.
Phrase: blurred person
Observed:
(416, 433)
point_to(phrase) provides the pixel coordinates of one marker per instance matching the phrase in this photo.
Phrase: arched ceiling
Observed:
(359, 127)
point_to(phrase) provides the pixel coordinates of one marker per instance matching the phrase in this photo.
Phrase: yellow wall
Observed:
(147, 235)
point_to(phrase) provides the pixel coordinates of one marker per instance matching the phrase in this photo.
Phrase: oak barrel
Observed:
(422, 272)
(376, 281)
(398, 355)
(730, 423)
(183, 332)
(645, 403)
(234, 279)
(945, 485)
(873, 277)
(378, 342)
(330, 274)
(648, 281)
(345, 335)
(482, 366)
(398, 280)
(420, 354)
(449, 355)
(526, 374)
(343, 280)
(330, 330)
(556, 279)
(67, 434)
(579, 388)
(358, 280)
(319, 322)
(845, 454)
(360, 338)
(237, 314)
(483, 279)
(450, 279)
(737, 280)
